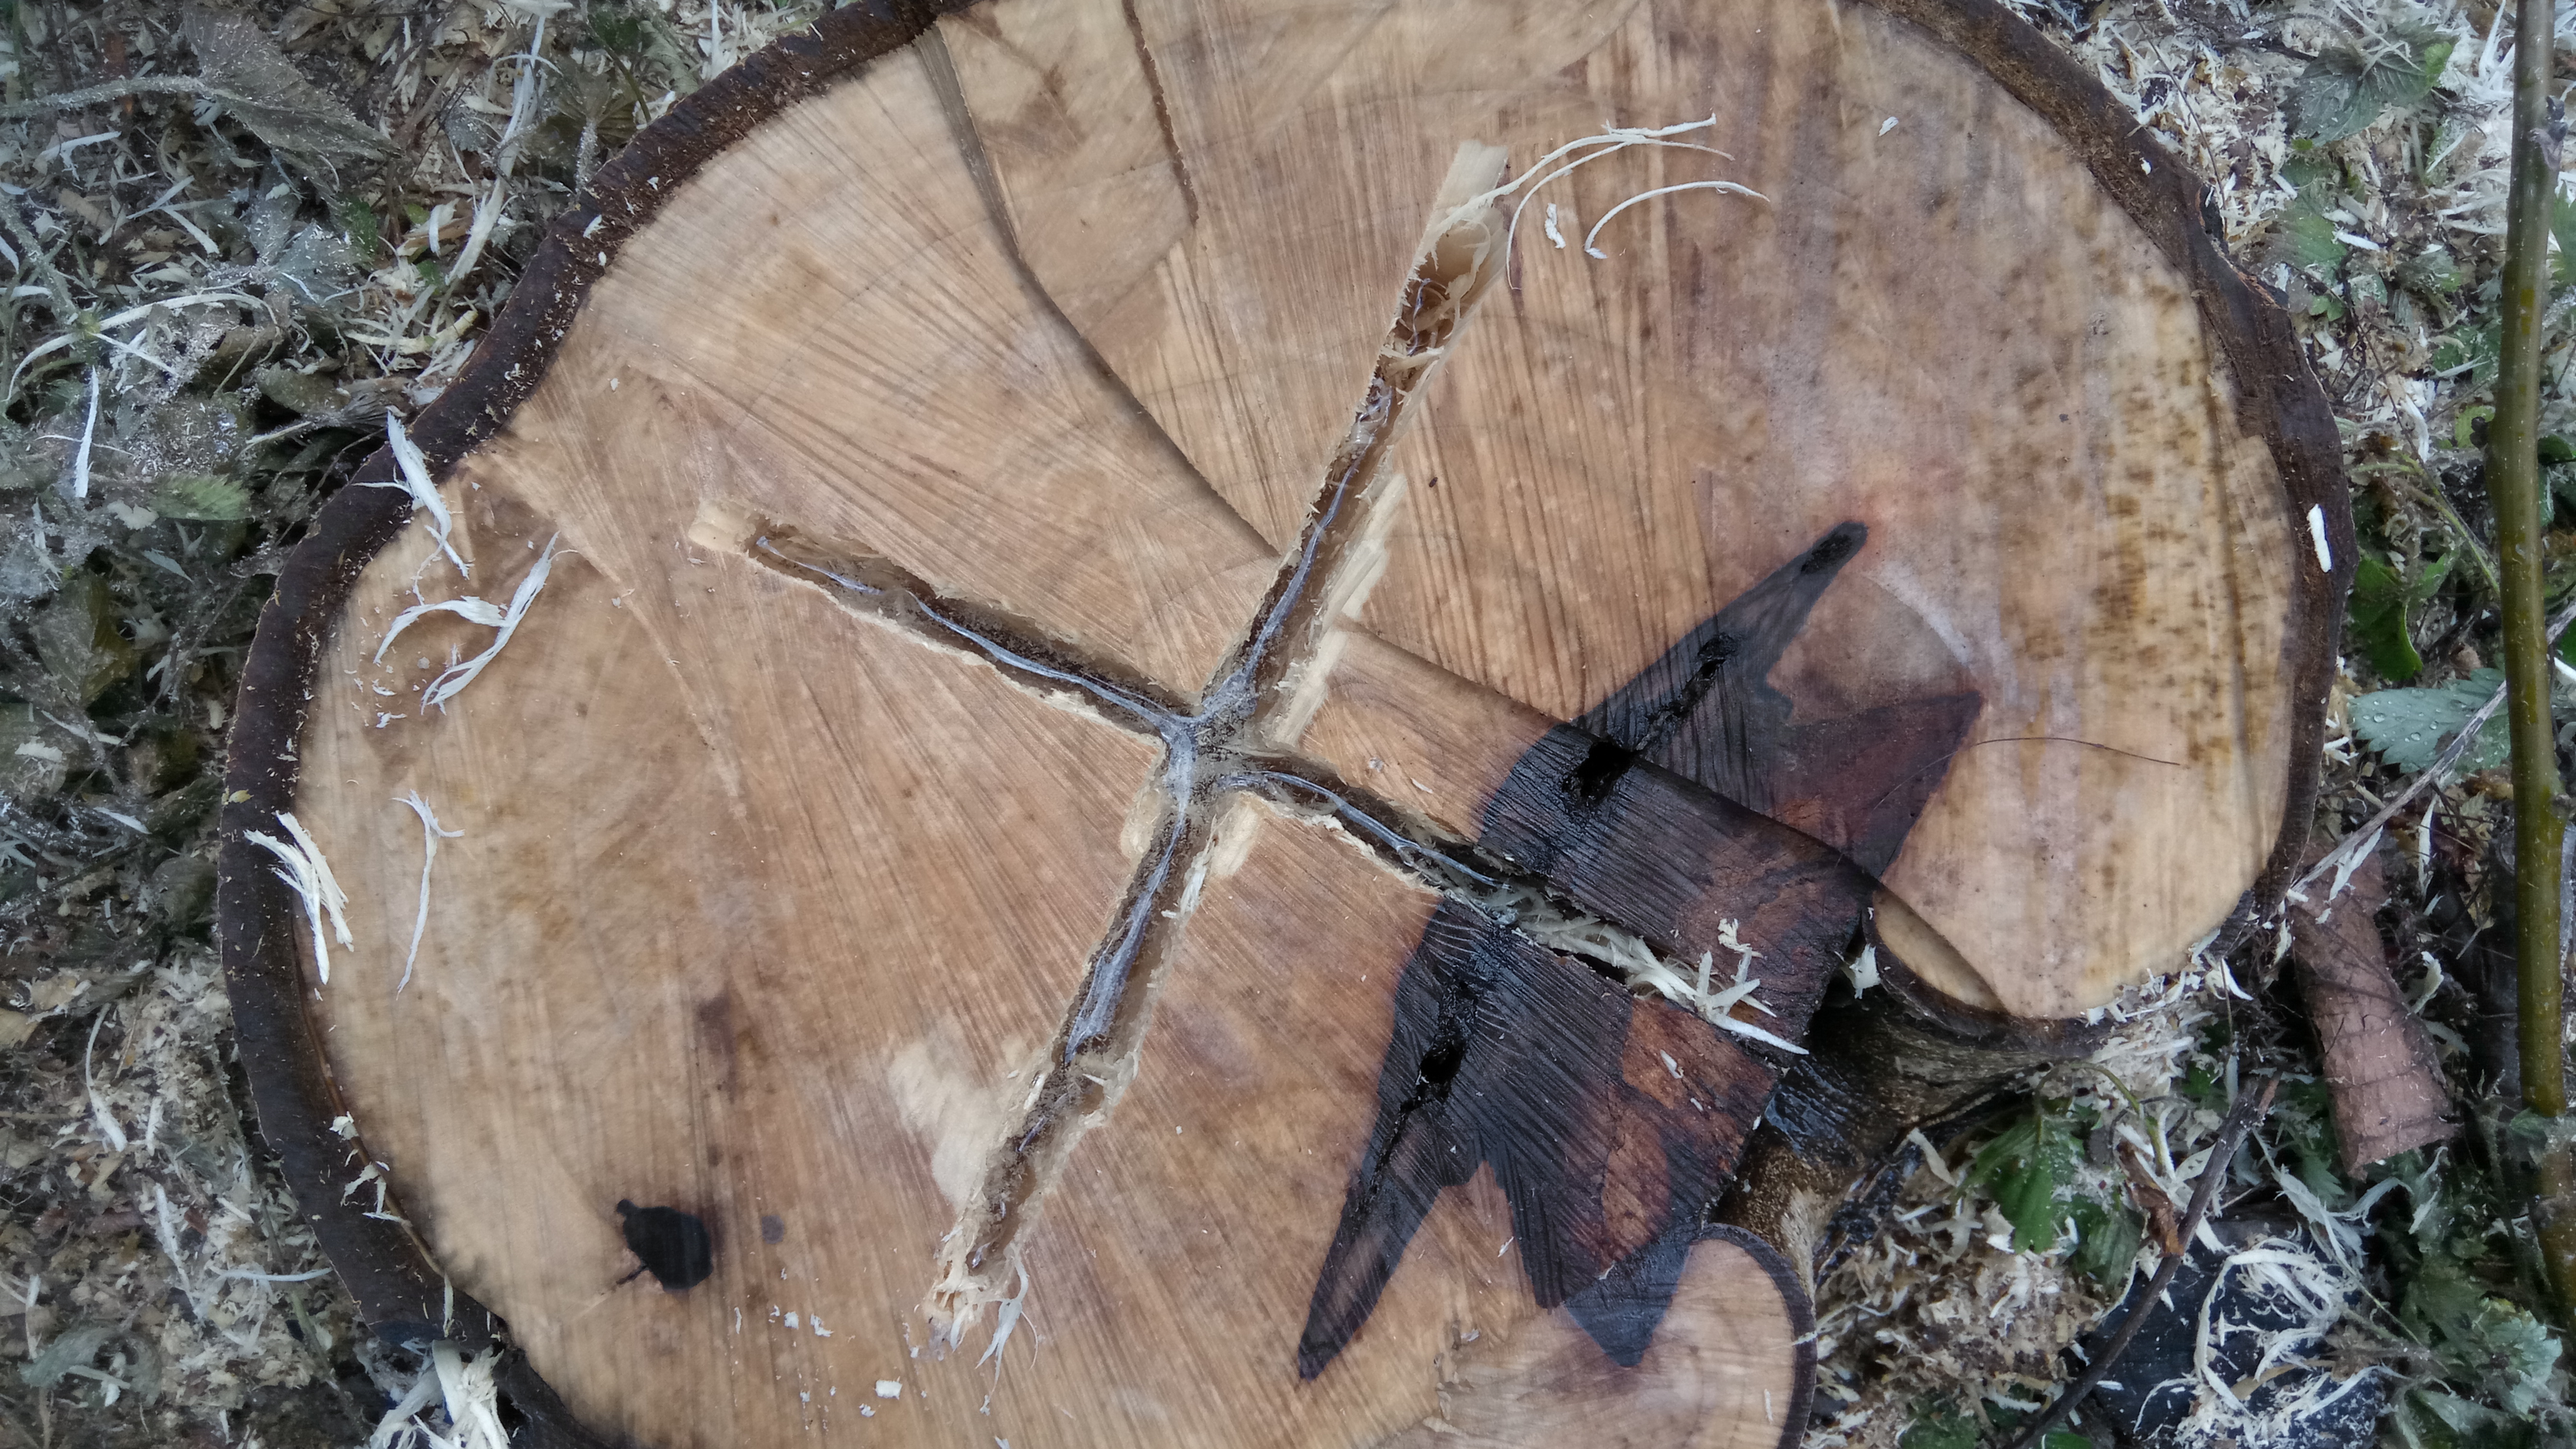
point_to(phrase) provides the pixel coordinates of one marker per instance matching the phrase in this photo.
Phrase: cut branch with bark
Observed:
(2513, 482)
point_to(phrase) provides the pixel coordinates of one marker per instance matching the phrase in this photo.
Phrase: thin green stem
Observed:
(2513, 484)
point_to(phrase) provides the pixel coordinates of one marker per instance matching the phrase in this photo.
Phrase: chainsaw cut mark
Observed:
(1253, 698)
(1236, 739)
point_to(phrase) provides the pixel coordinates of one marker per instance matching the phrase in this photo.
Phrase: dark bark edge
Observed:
(1800, 1303)
(399, 1292)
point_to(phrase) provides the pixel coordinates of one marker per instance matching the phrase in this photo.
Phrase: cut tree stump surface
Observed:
(1190, 745)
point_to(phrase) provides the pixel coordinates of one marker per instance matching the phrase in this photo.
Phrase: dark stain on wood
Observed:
(1614, 1124)
(672, 1245)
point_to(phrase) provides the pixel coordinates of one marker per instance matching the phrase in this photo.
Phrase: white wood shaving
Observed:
(487, 213)
(107, 1128)
(411, 475)
(400, 1425)
(130, 314)
(1932, 1158)
(1611, 141)
(471, 609)
(89, 431)
(309, 876)
(1004, 1321)
(1863, 970)
(473, 1405)
(1644, 969)
(479, 611)
(430, 831)
(1725, 187)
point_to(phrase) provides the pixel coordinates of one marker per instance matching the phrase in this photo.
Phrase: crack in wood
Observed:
(942, 70)
(1162, 110)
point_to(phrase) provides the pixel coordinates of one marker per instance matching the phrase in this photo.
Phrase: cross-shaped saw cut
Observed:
(1664, 778)
(1212, 747)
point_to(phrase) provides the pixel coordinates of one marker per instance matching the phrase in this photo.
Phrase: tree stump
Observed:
(1141, 724)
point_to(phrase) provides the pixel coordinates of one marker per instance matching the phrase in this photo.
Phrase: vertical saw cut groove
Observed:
(1095, 1053)
(1210, 749)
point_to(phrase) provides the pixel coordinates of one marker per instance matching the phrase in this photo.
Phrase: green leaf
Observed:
(2494, 1347)
(2516, 1351)
(2475, 353)
(2429, 1418)
(2410, 726)
(2343, 91)
(2313, 245)
(2202, 1088)
(2021, 1169)
(2442, 1301)
(202, 498)
(2431, 1218)
(76, 637)
(2382, 599)
(1939, 1428)
(615, 30)
(2431, 272)
(2107, 1238)
(2562, 229)
(2558, 482)
(360, 227)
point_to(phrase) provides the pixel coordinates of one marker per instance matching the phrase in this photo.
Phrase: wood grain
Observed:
(768, 296)
(1944, 328)
(1902, 555)
(712, 967)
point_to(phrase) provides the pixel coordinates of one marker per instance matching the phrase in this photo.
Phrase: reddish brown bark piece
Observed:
(2387, 1084)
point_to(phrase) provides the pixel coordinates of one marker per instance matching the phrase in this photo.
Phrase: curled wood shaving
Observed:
(309, 876)
(411, 475)
(475, 610)
(430, 831)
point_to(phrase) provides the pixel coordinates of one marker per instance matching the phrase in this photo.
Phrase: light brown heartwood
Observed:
(1197, 697)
